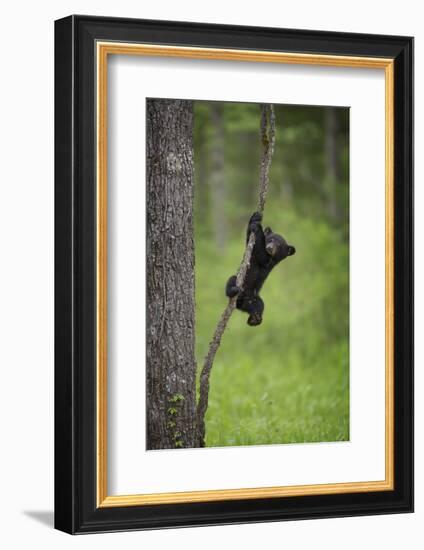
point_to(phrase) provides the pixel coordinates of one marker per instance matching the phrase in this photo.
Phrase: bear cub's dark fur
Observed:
(268, 251)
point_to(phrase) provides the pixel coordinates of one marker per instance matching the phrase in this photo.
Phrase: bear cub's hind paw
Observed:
(232, 289)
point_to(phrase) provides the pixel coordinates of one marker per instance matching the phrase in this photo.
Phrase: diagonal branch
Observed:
(268, 141)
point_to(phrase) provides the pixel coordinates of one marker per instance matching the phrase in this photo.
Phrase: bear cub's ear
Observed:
(291, 251)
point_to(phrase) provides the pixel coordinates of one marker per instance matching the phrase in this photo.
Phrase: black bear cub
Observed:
(268, 251)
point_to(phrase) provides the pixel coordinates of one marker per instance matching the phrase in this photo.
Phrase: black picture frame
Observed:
(76, 510)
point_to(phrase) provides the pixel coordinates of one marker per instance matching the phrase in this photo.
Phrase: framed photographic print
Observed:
(234, 269)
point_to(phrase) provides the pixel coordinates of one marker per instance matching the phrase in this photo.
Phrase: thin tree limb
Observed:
(267, 129)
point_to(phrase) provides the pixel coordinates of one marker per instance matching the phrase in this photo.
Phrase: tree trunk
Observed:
(332, 163)
(217, 175)
(171, 367)
(201, 169)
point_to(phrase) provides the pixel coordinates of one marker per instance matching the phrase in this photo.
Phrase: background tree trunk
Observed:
(171, 367)
(332, 159)
(217, 176)
(201, 162)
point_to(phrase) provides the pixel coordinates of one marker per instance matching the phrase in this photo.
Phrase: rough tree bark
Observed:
(171, 366)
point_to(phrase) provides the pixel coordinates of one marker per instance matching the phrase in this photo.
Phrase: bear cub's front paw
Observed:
(254, 222)
(256, 217)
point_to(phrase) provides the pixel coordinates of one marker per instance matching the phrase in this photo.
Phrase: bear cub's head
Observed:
(276, 246)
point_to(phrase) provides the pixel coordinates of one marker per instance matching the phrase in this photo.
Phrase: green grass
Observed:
(286, 381)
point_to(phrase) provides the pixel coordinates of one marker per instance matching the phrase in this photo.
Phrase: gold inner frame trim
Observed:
(103, 49)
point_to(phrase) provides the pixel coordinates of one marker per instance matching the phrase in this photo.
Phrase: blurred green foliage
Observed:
(286, 381)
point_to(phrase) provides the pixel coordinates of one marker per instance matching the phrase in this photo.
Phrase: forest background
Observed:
(286, 381)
